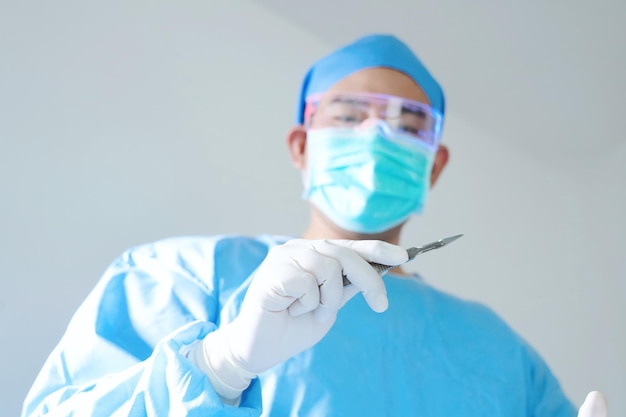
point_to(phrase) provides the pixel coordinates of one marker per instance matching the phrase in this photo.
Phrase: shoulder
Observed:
(205, 245)
(473, 326)
(463, 323)
(182, 248)
(473, 314)
(201, 256)
(444, 307)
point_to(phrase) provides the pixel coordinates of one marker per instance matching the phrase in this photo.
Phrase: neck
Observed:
(320, 227)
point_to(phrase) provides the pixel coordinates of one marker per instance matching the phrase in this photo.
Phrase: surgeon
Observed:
(248, 326)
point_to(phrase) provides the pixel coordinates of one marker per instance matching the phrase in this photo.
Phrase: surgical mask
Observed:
(366, 180)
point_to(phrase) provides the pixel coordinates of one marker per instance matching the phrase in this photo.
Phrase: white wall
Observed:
(124, 123)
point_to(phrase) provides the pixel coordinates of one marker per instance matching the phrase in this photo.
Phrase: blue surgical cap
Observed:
(368, 52)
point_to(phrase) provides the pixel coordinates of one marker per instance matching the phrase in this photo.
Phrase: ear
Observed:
(296, 144)
(441, 159)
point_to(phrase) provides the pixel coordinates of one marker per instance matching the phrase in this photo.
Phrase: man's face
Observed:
(378, 80)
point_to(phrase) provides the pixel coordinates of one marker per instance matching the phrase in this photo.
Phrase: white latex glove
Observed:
(291, 304)
(594, 406)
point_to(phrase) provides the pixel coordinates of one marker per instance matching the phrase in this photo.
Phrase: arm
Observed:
(291, 304)
(546, 397)
(124, 350)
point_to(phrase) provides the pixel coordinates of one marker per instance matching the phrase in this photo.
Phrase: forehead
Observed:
(385, 81)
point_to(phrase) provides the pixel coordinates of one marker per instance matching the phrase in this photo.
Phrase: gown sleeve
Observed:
(124, 351)
(546, 397)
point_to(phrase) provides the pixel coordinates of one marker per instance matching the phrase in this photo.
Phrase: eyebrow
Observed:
(347, 100)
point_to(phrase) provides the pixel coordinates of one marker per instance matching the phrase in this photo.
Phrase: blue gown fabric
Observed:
(429, 354)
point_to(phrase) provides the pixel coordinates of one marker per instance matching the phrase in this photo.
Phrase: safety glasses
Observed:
(350, 110)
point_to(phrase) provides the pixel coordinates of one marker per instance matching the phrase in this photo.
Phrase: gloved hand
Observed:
(291, 304)
(594, 406)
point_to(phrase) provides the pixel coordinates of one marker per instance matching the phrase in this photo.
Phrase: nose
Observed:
(375, 116)
(375, 112)
(375, 123)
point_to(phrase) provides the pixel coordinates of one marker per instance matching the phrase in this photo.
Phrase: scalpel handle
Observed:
(380, 268)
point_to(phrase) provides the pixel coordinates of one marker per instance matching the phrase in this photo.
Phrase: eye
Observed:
(345, 113)
(346, 118)
(410, 129)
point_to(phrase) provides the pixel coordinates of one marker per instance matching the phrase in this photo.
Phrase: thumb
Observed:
(594, 406)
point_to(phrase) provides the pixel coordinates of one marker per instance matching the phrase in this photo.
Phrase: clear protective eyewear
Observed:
(404, 117)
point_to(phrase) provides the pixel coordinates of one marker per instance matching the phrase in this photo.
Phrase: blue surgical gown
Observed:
(430, 354)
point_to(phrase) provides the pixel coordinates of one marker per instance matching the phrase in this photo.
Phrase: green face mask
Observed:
(366, 181)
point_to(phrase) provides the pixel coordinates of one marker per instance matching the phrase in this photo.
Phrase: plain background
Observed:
(123, 123)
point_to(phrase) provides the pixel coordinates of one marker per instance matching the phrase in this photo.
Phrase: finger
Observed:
(376, 251)
(594, 406)
(331, 291)
(348, 292)
(360, 272)
(314, 284)
(291, 284)
(309, 298)
(327, 272)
